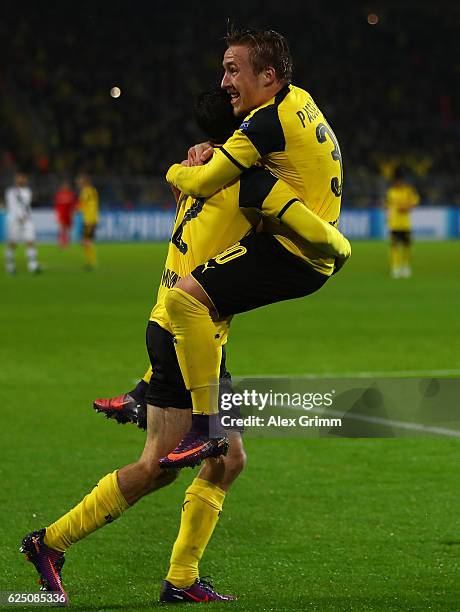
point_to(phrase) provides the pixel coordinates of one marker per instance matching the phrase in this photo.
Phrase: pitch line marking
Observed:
(441, 431)
(374, 374)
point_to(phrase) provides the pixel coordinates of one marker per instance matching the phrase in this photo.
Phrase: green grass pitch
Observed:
(323, 524)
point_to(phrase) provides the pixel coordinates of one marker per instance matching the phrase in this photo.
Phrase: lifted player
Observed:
(285, 130)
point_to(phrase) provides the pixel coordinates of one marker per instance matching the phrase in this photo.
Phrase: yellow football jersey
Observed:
(290, 136)
(89, 205)
(202, 229)
(400, 198)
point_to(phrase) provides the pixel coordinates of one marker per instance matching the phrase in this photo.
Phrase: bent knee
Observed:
(166, 477)
(154, 477)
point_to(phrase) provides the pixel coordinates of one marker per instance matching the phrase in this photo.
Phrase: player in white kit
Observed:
(19, 224)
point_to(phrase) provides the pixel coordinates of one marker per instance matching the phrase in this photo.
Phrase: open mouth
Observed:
(234, 97)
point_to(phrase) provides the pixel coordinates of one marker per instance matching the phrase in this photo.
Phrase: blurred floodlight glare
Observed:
(115, 92)
(372, 19)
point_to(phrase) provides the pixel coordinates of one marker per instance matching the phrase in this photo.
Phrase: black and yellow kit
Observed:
(88, 204)
(400, 199)
(290, 136)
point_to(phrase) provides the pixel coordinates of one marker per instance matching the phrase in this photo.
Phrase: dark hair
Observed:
(266, 48)
(214, 114)
(399, 173)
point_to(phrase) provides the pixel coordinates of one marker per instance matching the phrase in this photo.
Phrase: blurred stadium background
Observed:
(325, 524)
(384, 74)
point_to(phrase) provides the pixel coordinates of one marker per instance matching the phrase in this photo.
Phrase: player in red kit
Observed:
(65, 202)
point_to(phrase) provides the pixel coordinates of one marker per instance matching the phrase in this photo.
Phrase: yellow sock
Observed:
(148, 375)
(198, 350)
(89, 251)
(395, 257)
(104, 504)
(405, 255)
(200, 512)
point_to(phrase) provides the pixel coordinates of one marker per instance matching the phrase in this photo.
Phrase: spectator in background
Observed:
(88, 205)
(65, 202)
(400, 198)
(19, 224)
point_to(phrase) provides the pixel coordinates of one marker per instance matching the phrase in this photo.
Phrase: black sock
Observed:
(205, 424)
(139, 391)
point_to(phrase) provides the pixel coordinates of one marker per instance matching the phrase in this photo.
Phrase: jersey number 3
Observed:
(322, 131)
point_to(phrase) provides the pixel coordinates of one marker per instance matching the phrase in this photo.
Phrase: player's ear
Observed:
(269, 75)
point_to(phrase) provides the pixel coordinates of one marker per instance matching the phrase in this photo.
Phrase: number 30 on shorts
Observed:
(236, 250)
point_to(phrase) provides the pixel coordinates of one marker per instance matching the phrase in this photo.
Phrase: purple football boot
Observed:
(193, 449)
(201, 591)
(206, 438)
(47, 562)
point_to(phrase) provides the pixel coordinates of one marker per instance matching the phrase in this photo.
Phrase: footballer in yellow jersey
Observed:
(400, 199)
(88, 204)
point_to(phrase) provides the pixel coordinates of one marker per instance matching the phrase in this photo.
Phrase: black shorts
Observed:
(167, 388)
(255, 272)
(89, 231)
(402, 236)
